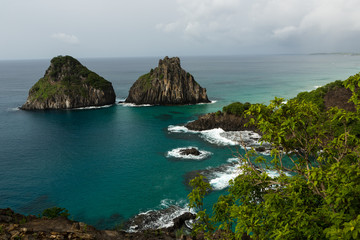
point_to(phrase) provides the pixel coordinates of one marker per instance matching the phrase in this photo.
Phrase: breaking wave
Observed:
(220, 137)
(177, 153)
(92, 107)
(162, 217)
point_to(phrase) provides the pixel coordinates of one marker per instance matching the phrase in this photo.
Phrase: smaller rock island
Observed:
(68, 84)
(168, 84)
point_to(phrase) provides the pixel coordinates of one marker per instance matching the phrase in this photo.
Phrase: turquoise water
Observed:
(111, 162)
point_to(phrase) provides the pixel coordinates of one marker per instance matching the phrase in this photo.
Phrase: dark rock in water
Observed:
(170, 218)
(68, 84)
(190, 151)
(260, 149)
(228, 122)
(180, 221)
(168, 84)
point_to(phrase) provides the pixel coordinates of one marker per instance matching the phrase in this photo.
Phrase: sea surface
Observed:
(108, 164)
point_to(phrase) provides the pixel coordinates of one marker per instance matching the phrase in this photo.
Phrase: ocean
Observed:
(106, 165)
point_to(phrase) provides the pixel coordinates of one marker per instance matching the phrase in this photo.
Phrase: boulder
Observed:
(190, 151)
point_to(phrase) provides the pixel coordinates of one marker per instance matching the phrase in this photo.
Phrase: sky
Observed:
(33, 29)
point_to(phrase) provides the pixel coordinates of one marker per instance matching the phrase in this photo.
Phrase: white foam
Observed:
(13, 109)
(248, 138)
(161, 218)
(92, 107)
(179, 129)
(232, 160)
(134, 105)
(211, 102)
(176, 153)
(220, 137)
(221, 180)
(215, 136)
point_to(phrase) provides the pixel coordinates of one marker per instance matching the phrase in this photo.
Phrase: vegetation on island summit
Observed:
(67, 75)
(316, 195)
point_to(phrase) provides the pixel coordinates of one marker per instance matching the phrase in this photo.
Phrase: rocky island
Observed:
(168, 84)
(68, 84)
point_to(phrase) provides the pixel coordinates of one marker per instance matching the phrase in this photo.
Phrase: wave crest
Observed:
(177, 153)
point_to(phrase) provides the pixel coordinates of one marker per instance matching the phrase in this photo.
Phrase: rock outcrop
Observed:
(190, 151)
(339, 97)
(68, 84)
(228, 122)
(18, 226)
(168, 84)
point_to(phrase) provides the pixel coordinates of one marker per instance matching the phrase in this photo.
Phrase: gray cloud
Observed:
(34, 29)
(260, 22)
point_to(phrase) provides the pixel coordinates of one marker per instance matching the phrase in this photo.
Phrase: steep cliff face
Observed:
(168, 84)
(68, 84)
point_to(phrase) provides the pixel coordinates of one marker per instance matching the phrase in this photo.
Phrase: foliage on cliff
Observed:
(69, 84)
(316, 194)
(317, 96)
(237, 108)
(67, 75)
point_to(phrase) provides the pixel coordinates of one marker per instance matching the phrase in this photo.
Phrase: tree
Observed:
(316, 194)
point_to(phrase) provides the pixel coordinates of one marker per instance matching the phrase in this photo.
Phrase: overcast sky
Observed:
(31, 29)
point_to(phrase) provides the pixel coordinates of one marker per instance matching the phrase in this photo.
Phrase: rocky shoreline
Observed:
(226, 121)
(17, 226)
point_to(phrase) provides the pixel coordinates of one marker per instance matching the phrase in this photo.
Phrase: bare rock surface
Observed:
(168, 84)
(18, 226)
(228, 122)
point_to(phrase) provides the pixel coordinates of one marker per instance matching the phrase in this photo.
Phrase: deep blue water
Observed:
(101, 162)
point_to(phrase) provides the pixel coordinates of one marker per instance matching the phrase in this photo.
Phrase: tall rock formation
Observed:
(68, 84)
(168, 84)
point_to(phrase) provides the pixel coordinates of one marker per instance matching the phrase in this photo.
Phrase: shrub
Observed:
(55, 212)
(237, 108)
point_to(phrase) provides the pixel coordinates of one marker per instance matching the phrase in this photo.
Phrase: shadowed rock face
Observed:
(68, 84)
(339, 97)
(228, 122)
(168, 84)
(190, 151)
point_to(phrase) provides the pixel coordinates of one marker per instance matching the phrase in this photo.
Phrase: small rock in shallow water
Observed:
(190, 151)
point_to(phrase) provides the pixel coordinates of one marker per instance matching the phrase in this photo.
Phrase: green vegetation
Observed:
(22, 221)
(316, 194)
(55, 212)
(67, 76)
(43, 89)
(237, 108)
(145, 81)
(317, 96)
